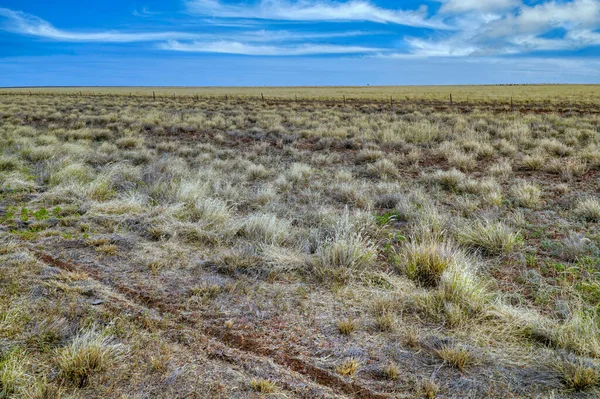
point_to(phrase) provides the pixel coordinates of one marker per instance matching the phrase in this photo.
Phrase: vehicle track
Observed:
(230, 340)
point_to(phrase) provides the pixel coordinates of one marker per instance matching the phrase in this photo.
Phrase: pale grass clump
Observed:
(448, 180)
(591, 155)
(502, 170)
(505, 148)
(578, 374)
(429, 224)
(73, 173)
(579, 333)
(567, 168)
(263, 385)
(460, 286)
(89, 352)
(526, 194)
(420, 132)
(341, 258)
(281, 259)
(588, 209)
(13, 376)
(130, 142)
(555, 147)
(369, 156)
(425, 262)
(493, 238)
(462, 161)
(299, 173)
(535, 161)
(455, 357)
(18, 182)
(266, 228)
(344, 250)
(346, 326)
(348, 367)
(210, 211)
(9, 163)
(383, 169)
(257, 172)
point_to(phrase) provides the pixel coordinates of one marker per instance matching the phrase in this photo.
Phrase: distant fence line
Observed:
(451, 100)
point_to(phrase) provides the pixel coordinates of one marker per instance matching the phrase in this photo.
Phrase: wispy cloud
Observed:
(316, 10)
(144, 12)
(232, 47)
(460, 6)
(26, 24)
(460, 28)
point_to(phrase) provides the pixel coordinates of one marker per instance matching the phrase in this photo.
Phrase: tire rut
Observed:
(245, 344)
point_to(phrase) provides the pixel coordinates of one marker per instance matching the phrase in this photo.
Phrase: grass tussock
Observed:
(492, 238)
(348, 367)
(589, 209)
(477, 221)
(89, 352)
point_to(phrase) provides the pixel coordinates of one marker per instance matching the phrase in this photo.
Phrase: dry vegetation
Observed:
(198, 248)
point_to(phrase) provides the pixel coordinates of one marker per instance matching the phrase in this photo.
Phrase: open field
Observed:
(570, 94)
(184, 247)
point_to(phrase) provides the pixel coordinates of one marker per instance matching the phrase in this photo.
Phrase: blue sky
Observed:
(298, 42)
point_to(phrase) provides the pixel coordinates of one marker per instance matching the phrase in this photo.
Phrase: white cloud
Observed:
(232, 47)
(316, 10)
(515, 31)
(460, 6)
(26, 24)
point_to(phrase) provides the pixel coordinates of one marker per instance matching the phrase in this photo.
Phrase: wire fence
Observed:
(450, 100)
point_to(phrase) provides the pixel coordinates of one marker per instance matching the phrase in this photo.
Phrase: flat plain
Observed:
(378, 242)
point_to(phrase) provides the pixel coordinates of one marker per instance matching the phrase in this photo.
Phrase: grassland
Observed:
(197, 246)
(544, 94)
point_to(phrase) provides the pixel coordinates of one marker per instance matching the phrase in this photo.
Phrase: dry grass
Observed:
(340, 234)
(89, 352)
(348, 367)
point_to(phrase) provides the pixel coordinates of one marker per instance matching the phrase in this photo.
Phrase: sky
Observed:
(297, 42)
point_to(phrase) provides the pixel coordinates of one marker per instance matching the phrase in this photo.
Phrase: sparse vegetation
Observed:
(204, 247)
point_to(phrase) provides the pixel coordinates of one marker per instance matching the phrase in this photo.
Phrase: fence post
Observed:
(153, 95)
(296, 97)
(511, 104)
(262, 97)
(391, 101)
(450, 98)
(344, 99)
